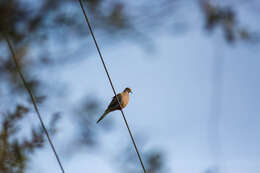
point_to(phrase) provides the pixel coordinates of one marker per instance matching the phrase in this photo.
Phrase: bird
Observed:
(123, 98)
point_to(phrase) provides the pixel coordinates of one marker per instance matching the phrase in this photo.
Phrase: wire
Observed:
(216, 108)
(33, 101)
(110, 81)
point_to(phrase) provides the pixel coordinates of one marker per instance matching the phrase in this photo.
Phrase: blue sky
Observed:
(172, 96)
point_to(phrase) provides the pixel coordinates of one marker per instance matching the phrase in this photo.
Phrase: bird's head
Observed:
(128, 90)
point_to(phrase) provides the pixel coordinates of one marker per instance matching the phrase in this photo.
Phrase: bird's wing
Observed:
(114, 103)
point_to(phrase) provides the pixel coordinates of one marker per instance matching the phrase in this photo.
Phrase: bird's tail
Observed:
(104, 114)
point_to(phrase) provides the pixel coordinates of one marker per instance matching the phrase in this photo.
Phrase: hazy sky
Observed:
(171, 102)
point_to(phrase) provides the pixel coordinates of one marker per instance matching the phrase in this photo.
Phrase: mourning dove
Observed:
(123, 98)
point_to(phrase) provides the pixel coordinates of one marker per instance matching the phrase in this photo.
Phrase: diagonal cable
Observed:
(33, 101)
(110, 81)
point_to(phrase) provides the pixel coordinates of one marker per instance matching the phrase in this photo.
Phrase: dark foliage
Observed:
(225, 17)
(14, 151)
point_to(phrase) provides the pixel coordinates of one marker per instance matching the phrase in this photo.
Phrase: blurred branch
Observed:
(154, 160)
(14, 154)
(225, 17)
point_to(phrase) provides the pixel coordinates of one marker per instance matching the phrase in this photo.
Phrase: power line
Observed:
(110, 81)
(33, 101)
(216, 104)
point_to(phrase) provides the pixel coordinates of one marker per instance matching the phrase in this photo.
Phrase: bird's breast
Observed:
(125, 99)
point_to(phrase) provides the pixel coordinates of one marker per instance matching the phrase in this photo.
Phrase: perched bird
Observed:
(123, 98)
